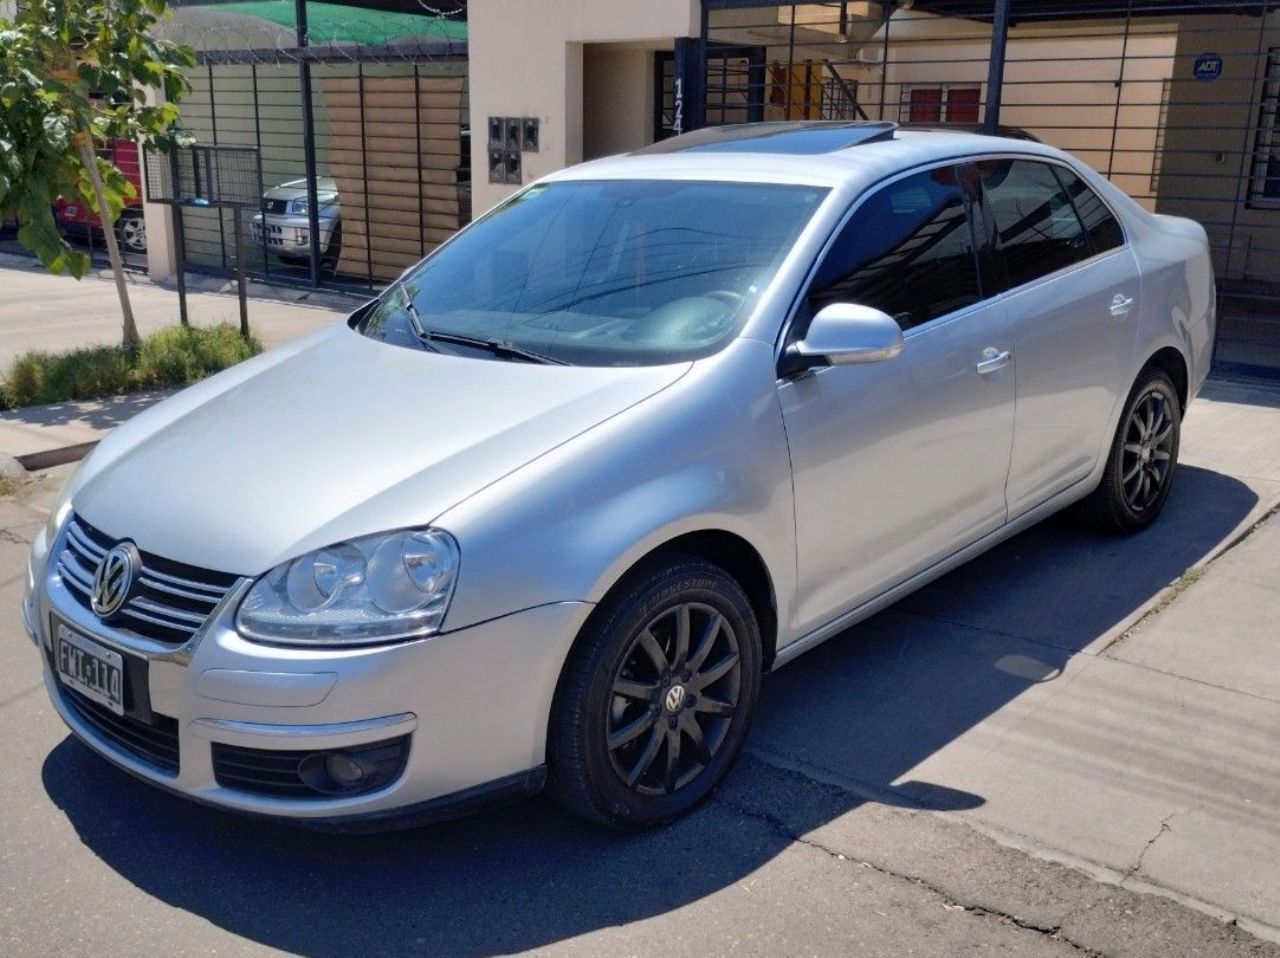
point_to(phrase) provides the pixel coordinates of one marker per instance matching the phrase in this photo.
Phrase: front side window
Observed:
(907, 250)
(1037, 227)
(603, 273)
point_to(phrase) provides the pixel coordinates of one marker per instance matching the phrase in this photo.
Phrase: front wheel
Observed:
(657, 696)
(1142, 459)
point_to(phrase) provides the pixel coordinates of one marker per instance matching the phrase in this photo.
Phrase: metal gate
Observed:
(1177, 101)
(359, 114)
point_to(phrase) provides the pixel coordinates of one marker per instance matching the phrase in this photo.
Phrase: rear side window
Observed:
(1104, 232)
(1039, 231)
(907, 250)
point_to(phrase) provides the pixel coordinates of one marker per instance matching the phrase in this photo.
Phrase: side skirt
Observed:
(869, 608)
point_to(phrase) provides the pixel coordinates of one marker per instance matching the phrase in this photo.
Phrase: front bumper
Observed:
(289, 234)
(473, 704)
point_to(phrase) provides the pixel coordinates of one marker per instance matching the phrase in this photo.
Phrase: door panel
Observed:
(1072, 352)
(900, 463)
(897, 464)
(1072, 308)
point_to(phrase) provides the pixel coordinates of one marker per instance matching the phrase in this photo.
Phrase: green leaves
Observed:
(71, 69)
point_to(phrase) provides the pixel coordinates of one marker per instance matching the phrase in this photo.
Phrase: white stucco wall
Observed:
(526, 59)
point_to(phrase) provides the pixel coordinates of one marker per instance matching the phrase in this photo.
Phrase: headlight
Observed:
(375, 589)
(300, 207)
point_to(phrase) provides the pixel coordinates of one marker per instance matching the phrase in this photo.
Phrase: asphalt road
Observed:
(785, 860)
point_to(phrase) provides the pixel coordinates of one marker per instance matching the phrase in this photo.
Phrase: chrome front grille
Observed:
(171, 600)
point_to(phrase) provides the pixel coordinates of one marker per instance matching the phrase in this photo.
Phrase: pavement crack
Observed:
(948, 901)
(1164, 829)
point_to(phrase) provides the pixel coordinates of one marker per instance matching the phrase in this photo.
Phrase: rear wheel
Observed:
(657, 696)
(1144, 454)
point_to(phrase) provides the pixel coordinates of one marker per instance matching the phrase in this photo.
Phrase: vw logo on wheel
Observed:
(113, 581)
(675, 698)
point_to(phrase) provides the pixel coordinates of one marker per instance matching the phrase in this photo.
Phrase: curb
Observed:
(48, 458)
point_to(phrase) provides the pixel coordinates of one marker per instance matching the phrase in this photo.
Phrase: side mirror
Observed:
(845, 333)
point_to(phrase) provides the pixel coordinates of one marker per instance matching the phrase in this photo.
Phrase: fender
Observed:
(707, 453)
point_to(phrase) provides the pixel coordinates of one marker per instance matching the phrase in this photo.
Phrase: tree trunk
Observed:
(90, 161)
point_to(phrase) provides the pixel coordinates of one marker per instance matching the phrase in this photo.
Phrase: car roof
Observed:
(812, 153)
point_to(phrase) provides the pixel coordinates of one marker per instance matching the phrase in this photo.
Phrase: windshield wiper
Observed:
(497, 347)
(410, 310)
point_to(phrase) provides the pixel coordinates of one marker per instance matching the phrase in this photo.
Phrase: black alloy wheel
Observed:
(674, 698)
(1147, 451)
(657, 696)
(1143, 457)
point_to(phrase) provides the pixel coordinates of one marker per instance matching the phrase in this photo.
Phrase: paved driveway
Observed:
(918, 785)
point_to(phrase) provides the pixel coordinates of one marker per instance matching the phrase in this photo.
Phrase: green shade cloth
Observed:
(336, 23)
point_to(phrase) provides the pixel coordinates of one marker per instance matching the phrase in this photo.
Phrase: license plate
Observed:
(93, 670)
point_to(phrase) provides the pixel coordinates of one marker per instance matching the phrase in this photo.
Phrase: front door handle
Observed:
(1121, 305)
(992, 359)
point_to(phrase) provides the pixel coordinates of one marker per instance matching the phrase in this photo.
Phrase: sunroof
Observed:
(805, 138)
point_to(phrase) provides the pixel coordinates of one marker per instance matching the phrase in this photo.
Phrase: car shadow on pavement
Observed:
(863, 710)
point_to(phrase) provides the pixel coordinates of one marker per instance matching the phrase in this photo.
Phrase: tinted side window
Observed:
(1104, 232)
(1037, 226)
(907, 250)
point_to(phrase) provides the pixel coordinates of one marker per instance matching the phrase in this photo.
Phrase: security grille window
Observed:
(1039, 231)
(908, 251)
(940, 104)
(1264, 187)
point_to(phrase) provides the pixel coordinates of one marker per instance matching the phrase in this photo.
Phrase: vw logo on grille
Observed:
(113, 581)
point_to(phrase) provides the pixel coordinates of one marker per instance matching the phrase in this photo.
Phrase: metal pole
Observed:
(308, 139)
(791, 58)
(995, 72)
(364, 172)
(1115, 119)
(884, 61)
(180, 261)
(244, 303)
(262, 202)
(213, 125)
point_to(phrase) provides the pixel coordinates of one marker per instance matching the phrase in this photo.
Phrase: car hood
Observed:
(334, 437)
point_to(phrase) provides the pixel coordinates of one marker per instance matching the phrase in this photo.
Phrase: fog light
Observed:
(344, 770)
(301, 237)
(298, 773)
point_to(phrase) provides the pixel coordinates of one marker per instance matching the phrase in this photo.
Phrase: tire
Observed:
(613, 685)
(131, 231)
(333, 252)
(1142, 459)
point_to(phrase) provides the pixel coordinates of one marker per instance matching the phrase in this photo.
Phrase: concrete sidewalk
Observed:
(1109, 703)
(40, 311)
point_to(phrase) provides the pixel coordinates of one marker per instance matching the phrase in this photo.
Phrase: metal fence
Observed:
(391, 155)
(1177, 102)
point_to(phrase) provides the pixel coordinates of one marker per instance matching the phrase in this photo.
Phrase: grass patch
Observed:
(9, 485)
(175, 356)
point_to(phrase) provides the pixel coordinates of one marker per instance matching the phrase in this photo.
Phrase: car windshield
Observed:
(602, 273)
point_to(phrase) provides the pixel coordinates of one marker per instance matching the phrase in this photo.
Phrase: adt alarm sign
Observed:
(1208, 67)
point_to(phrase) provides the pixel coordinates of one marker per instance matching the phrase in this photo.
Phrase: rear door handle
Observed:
(1121, 305)
(992, 360)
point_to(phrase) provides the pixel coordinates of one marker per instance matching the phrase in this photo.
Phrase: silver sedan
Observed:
(546, 511)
